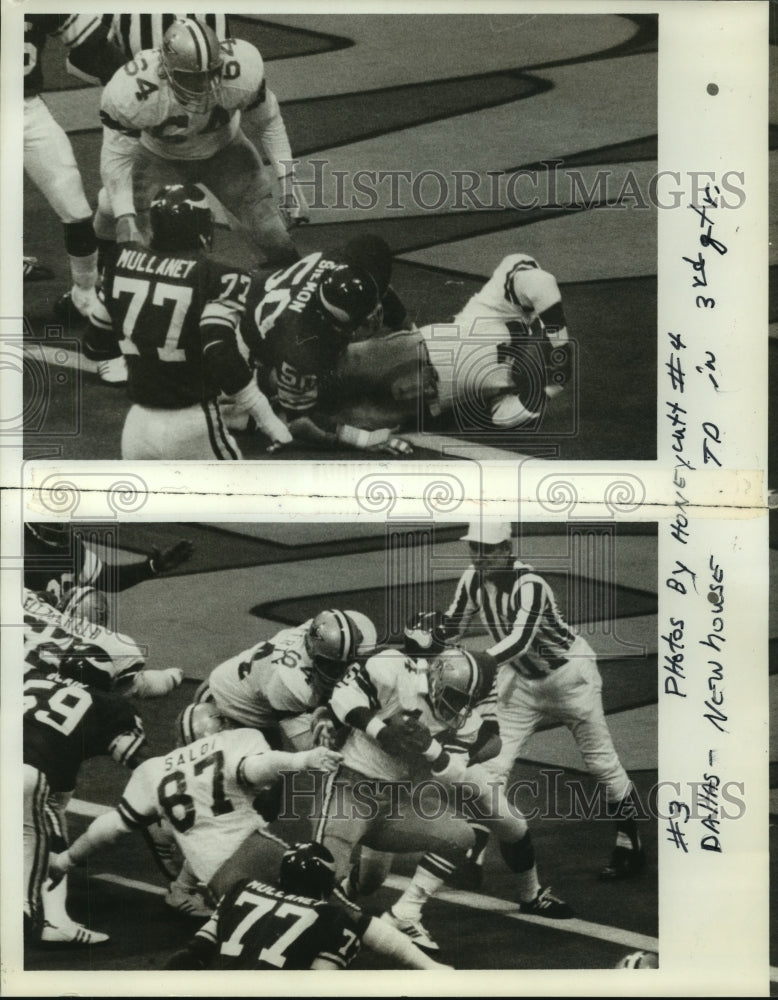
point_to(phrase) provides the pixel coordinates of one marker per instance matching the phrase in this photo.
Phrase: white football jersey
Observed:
(272, 678)
(49, 635)
(390, 682)
(199, 789)
(139, 102)
(519, 289)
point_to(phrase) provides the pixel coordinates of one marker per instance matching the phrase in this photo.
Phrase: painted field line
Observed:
(471, 900)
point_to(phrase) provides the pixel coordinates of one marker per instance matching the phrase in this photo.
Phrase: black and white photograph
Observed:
(313, 236)
(386, 575)
(461, 734)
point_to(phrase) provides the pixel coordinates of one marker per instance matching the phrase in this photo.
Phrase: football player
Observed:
(173, 115)
(205, 790)
(49, 161)
(498, 363)
(259, 926)
(545, 671)
(298, 323)
(410, 719)
(65, 723)
(80, 625)
(177, 312)
(57, 558)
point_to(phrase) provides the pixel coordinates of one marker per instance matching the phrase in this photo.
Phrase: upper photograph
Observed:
(335, 236)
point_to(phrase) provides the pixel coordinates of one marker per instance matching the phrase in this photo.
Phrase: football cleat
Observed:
(545, 904)
(190, 902)
(33, 270)
(412, 929)
(113, 371)
(624, 863)
(71, 933)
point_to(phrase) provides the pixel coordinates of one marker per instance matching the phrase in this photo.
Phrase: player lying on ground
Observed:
(504, 356)
(259, 926)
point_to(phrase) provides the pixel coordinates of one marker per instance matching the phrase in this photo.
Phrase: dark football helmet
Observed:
(454, 680)
(347, 297)
(308, 870)
(192, 61)
(181, 219)
(89, 664)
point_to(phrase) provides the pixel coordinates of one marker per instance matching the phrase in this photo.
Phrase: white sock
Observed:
(423, 885)
(83, 270)
(54, 911)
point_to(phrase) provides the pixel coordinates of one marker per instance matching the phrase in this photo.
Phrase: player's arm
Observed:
(92, 57)
(115, 577)
(219, 324)
(543, 291)
(259, 769)
(120, 141)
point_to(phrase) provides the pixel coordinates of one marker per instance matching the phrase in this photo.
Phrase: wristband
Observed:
(374, 727)
(433, 751)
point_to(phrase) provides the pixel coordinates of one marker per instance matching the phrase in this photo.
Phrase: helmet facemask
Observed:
(192, 62)
(453, 684)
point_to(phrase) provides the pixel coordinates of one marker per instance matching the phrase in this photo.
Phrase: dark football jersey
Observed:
(72, 29)
(66, 723)
(165, 307)
(289, 336)
(257, 926)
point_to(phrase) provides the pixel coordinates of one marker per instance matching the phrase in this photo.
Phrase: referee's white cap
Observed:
(488, 532)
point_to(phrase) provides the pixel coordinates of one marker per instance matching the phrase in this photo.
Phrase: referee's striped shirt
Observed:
(134, 32)
(519, 610)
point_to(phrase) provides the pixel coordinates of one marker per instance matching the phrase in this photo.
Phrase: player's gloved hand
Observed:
(294, 207)
(322, 728)
(508, 411)
(393, 446)
(127, 230)
(322, 759)
(164, 560)
(156, 683)
(425, 635)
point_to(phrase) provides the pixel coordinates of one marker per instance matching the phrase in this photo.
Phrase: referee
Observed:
(545, 671)
(135, 32)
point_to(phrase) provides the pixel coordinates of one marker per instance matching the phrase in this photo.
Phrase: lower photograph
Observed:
(339, 745)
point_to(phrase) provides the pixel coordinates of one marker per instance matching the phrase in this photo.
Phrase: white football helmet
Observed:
(192, 61)
(454, 680)
(85, 604)
(199, 720)
(334, 640)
